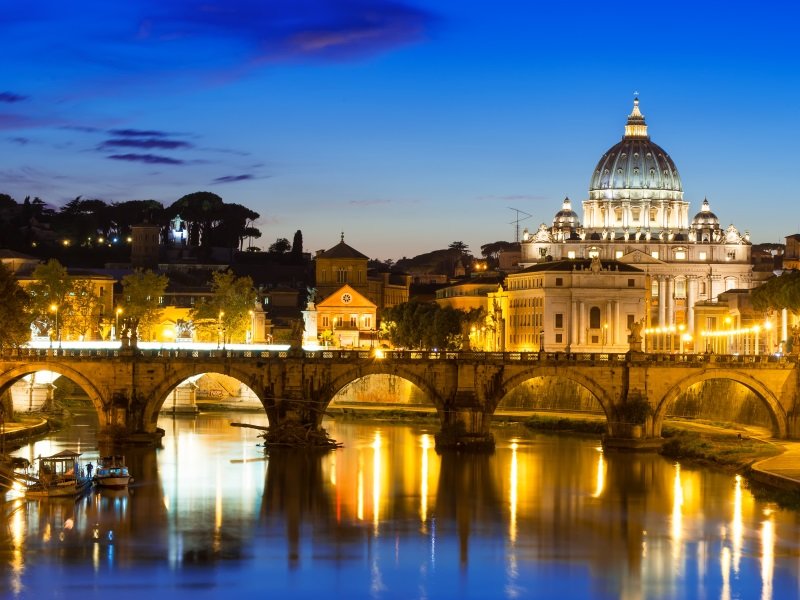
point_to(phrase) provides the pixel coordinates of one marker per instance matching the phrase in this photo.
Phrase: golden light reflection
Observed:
(600, 482)
(360, 488)
(333, 470)
(423, 492)
(737, 527)
(767, 555)
(218, 509)
(376, 480)
(513, 482)
(677, 518)
(725, 567)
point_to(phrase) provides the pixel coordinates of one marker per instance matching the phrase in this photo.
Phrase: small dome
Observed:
(566, 217)
(705, 218)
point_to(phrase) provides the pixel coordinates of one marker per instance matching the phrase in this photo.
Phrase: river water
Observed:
(386, 517)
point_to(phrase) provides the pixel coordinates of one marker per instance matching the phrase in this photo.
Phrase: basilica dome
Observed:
(635, 163)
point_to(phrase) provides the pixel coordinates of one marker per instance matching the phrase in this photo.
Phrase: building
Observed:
(346, 319)
(791, 256)
(580, 305)
(636, 214)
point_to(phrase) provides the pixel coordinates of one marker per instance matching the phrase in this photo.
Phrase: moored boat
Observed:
(60, 475)
(112, 473)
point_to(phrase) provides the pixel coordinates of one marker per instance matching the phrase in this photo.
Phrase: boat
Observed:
(59, 476)
(112, 473)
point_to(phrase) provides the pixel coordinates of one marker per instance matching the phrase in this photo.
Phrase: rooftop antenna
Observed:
(517, 221)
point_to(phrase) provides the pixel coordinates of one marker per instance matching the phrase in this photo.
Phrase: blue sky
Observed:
(406, 124)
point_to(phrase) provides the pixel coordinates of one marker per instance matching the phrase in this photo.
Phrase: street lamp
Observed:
(54, 308)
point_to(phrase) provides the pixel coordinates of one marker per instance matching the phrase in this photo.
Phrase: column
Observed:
(670, 301)
(662, 297)
(617, 332)
(581, 324)
(574, 325)
(691, 298)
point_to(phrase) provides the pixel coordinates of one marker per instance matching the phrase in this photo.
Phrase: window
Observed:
(594, 253)
(631, 319)
(353, 320)
(341, 275)
(680, 288)
(325, 321)
(703, 288)
(559, 338)
(654, 288)
(618, 254)
(702, 256)
(368, 321)
(559, 320)
(680, 254)
(571, 254)
(731, 254)
(559, 281)
(102, 291)
(631, 283)
(654, 254)
(542, 252)
(594, 317)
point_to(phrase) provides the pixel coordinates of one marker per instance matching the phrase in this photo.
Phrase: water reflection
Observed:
(388, 517)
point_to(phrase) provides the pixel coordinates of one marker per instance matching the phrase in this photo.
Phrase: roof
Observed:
(342, 250)
(579, 264)
(5, 253)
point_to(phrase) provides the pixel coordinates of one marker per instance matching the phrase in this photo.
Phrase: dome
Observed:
(636, 163)
(705, 218)
(566, 217)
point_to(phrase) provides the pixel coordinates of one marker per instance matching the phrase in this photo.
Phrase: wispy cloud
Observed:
(232, 178)
(151, 159)
(22, 141)
(368, 202)
(146, 143)
(11, 97)
(150, 133)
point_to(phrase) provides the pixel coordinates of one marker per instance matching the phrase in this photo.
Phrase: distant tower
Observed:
(145, 246)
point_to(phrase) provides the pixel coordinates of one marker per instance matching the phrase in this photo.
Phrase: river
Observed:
(545, 516)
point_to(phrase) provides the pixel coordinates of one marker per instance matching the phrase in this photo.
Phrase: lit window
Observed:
(680, 255)
(654, 254)
(618, 254)
(571, 254)
(654, 289)
(594, 253)
(702, 255)
(680, 288)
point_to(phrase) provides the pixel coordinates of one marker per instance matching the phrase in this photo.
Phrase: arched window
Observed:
(594, 317)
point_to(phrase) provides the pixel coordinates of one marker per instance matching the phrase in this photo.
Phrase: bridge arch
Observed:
(340, 381)
(569, 373)
(161, 392)
(777, 414)
(11, 376)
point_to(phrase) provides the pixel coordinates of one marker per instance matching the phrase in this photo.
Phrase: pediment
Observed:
(336, 299)
(637, 257)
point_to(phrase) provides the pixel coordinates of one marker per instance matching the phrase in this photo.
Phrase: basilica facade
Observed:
(636, 214)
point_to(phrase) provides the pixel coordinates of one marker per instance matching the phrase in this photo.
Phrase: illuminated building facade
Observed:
(636, 214)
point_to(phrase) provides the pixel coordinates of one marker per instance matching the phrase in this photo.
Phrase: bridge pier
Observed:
(465, 425)
(123, 422)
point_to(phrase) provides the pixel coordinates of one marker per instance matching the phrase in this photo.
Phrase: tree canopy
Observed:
(421, 325)
(778, 293)
(141, 309)
(15, 318)
(228, 308)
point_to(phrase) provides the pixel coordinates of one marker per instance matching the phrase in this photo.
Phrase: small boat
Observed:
(112, 473)
(59, 476)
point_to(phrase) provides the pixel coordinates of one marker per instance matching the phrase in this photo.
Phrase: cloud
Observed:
(146, 143)
(368, 202)
(11, 97)
(17, 121)
(276, 29)
(232, 178)
(150, 133)
(22, 141)
(151, 159)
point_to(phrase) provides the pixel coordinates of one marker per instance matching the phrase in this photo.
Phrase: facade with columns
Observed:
(636, 214)
(582, 305)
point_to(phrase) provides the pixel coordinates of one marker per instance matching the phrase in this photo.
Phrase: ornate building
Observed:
(636, 214)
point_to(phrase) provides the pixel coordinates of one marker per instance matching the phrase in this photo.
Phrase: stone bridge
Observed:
(128, 387)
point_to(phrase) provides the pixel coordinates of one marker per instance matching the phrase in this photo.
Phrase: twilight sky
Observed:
(407, 124)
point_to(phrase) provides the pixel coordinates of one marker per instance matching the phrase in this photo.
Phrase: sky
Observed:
(404, 124)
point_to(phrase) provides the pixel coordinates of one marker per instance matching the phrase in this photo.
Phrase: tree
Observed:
(281, 246)
(460, 246)
(142, 291)
(297, 245)
(201, 211)
(15, 316)
(50, 295)
(84, 310)
(778, 293)
(424, 326)
(228, 311)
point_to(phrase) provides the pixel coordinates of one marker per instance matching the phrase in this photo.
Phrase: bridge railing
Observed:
(44, 354)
